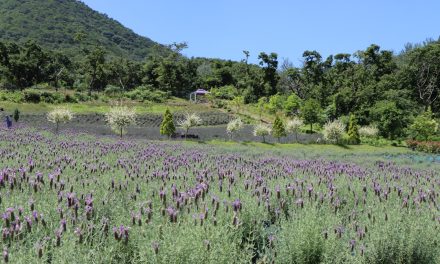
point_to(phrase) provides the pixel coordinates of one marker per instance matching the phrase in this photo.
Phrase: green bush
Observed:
(147, 93)
(377, 142)
(434, 138)
(278, 129)
(249, 96)
(15, 97)
(423, 126)
(227, 92)
(353, 130)
(70, 99)
(112, 90)
(391, 119)
(82, 97)
(52, 97)
(276, 103)
(32, 96)
(216, 103)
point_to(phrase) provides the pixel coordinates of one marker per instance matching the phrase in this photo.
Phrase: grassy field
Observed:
(175, 105)
(82, 198)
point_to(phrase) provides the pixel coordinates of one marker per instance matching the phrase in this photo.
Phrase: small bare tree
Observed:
(427, 83)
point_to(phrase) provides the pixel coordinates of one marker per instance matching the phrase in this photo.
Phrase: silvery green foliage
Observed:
(368, 131)
(294, 125)
(190, 120)
(333, 131)
(262, 130)
(59, 115)
(119, 118)
(234, 126)
(94, 199)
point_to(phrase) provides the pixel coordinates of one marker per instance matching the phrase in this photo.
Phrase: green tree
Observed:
(59, 70)
(124, 73)
(25, 65)
(311, 112)
(276, 103)
(292, 105)
(278, 129)
(391, 119)
(423, 126)
(312, 67)
(95, 69)
(175, 73)
(16, 115)
(167, 127)
(270, 66)
(378, 62)
(237, 103)
(423, 70)
(353, 130)
(262, 101)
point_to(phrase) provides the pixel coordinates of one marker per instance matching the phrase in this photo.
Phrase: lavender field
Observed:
(83, 198)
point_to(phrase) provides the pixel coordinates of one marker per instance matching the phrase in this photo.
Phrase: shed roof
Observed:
(201, 91)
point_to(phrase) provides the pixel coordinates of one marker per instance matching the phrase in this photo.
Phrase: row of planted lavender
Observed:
(78, 198)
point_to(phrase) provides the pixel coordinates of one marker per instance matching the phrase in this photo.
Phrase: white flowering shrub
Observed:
(334, 131)
(368, 131)
(189, 121)
(119, 118)
(59, 115)
(262, 130)
(234, 126)
(293, 126)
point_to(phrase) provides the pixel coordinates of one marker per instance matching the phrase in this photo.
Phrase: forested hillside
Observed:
(63, 24)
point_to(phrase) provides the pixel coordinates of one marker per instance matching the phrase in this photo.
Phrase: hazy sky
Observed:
(223, 28)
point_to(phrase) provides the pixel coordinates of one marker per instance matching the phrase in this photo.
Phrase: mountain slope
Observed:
(56, 24)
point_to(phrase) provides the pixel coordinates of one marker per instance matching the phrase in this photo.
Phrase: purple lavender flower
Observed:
(236, 205)
(352, 244)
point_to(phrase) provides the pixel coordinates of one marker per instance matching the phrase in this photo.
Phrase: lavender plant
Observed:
(82, 199)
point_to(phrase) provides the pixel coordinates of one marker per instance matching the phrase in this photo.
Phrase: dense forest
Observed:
(375, 85)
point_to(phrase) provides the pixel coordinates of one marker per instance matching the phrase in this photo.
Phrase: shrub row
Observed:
(144, 94)
(37, 96)
(425, 146)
